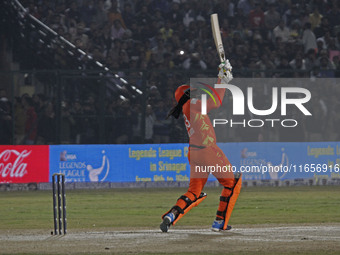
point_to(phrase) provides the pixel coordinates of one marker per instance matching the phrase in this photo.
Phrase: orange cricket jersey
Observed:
(199, 127)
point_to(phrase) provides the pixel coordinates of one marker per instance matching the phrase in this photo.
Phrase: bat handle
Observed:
(222, 58)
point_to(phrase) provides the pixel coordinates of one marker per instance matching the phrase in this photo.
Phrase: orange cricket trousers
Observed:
(201, 160)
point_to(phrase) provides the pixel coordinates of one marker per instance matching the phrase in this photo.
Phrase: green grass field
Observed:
(129, 208)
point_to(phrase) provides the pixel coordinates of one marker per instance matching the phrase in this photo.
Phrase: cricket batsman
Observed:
(203, 151)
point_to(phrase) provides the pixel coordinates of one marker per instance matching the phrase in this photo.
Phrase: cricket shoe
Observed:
(218, 226)
(167, 220)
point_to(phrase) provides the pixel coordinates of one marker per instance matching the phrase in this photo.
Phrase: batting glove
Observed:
(224, 73)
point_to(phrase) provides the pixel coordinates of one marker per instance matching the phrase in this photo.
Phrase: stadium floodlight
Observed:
(81, 52)
(67, 42)
(42, 33)
(124, 81)
(137, 90)
(99, 64)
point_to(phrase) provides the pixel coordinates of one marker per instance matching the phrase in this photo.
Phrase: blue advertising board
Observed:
(120, 163)
(279, 161)
(168, 162)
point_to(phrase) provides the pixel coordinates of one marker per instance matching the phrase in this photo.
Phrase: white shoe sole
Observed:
(219, 230)
(216, 229)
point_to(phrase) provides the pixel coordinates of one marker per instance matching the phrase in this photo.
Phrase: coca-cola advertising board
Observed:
(24, 164)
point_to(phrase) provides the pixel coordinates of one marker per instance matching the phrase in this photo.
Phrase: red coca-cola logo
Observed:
(24, 164)
(16, 169)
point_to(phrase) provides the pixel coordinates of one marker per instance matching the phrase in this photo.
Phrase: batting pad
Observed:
(233, 198)
(193, 204)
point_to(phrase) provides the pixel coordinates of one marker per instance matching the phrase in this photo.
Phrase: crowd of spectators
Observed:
(176, 34)
(263, 38)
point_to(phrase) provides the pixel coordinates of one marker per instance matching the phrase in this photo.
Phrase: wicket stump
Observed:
(59, 204)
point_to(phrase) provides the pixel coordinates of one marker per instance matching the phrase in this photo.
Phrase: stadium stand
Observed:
(122, 59)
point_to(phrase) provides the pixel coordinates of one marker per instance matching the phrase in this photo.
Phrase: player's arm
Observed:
(224, 77)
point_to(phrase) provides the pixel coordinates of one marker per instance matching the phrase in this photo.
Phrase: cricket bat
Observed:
(217, 36)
